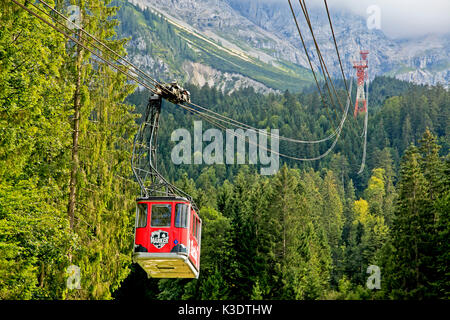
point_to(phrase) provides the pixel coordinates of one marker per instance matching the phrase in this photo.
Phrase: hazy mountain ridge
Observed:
(264, 30)
(169, 48)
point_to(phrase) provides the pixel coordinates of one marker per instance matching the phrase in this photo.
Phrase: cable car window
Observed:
(181, 212)
(195, 227)
(141, 221)
(197, 234)
(186, 214)
(161, 215)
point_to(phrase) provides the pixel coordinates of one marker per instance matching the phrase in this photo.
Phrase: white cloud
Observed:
(402, 18)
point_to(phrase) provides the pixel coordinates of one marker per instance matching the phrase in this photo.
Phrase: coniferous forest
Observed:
(313, 230)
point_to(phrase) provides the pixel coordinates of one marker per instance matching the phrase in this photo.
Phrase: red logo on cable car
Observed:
(159, 238)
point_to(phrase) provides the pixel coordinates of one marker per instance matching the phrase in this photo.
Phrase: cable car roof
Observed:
(162, 198)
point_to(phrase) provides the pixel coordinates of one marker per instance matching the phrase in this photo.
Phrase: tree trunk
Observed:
(41, 277)
(75, 135)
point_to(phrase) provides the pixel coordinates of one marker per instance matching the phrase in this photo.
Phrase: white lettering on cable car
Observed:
(159, 238)
(194, 250)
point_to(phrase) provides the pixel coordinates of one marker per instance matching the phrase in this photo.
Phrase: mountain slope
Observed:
(168, 48)
(263, 32)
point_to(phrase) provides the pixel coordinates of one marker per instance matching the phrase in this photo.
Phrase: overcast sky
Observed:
(400, 18)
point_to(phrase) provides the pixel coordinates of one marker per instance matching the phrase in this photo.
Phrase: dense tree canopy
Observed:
(310, 231)
(51, 91)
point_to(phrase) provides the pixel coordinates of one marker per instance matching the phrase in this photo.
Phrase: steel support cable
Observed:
(83, 46)
(153, 80)
(366, 120)
(310, 64)
(133, 68)
(323, 66)
(143, 73)
(304, 9)
(245, 138)
(168, 185)
(110, 64)
(281, 138)
(337, 50)
(242, 125)
(102, 44)
(305, 12)
(306, 52)
(152, 90)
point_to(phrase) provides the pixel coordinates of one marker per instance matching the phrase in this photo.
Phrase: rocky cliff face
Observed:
(265, 30)
(200, 75)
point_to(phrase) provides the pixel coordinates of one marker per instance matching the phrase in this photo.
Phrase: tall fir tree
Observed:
(405, 277)
(101, 194)
(34, 131)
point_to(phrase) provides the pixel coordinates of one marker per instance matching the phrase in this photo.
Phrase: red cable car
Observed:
(168, 228)
(167, 237)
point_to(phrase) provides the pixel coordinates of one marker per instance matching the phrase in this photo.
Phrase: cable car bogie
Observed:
(173, 93)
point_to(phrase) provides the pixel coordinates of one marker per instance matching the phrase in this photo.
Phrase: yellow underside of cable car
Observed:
(165, 265)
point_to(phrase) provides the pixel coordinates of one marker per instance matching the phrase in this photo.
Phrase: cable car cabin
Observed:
(167, 237)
